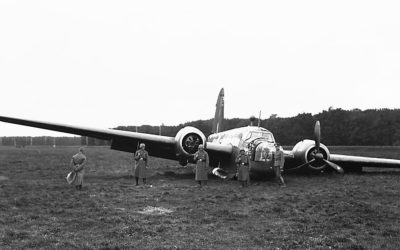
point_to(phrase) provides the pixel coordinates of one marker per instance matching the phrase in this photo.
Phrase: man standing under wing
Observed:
(202, 163)
(141, 159)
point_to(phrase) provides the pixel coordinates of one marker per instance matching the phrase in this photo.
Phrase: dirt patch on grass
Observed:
(149, 210)
(3, 178)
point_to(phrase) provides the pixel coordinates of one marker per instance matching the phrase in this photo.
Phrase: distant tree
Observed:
(338, 127)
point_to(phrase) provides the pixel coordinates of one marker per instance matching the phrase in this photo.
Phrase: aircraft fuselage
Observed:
(258, 143)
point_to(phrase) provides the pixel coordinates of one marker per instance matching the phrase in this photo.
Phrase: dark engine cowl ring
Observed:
(191, 142)
(318, 164)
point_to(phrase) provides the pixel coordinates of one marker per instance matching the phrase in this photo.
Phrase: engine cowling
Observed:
(187, 142)
(304, 150)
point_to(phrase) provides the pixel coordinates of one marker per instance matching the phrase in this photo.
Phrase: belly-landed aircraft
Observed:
(224, 146)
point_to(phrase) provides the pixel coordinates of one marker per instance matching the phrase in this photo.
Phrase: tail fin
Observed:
(219, 113)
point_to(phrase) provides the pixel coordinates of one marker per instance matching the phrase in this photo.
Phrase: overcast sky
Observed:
(108, 63)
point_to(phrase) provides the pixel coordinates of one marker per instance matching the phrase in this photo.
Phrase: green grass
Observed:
(38, 209)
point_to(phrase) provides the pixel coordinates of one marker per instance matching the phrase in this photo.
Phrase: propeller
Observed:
(317, 155)
(191, 142)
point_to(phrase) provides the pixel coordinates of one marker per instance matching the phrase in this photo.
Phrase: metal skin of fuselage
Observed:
(258, 143)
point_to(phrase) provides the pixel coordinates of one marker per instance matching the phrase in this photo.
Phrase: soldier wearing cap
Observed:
(202, 164)
(78, 162)
(279, 162)
(243, 168)
(141, 159)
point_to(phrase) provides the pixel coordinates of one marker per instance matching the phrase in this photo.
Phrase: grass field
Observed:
(38, 209)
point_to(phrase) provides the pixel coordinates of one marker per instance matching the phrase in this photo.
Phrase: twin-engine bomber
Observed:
(224, 146)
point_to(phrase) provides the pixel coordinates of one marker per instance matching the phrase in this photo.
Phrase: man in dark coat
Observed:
(141, 159)
(243, 168)
(202, 164)
(279, 162)
(78, 162)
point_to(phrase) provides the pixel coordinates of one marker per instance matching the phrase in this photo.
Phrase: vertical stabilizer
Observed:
(219, 113)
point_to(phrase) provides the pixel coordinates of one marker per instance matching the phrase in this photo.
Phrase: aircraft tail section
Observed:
(219, 113)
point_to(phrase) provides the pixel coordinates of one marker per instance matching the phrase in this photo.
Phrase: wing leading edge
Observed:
(157, 145)
(120, 140)
(350, 161)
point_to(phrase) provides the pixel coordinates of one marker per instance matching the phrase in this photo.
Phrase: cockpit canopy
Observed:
(251, 135)
(242, 137)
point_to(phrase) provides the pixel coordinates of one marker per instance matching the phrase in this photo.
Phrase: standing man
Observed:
(243, 168)
(279, 161)
(141, 158)
(202, 162)
(78, 162)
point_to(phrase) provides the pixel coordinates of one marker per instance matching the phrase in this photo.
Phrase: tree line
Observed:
(341, 127)
(379, 127)
(338, 127)
(24, 141)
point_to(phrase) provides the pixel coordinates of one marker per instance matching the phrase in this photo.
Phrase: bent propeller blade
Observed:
(302, 165)
(334, 166)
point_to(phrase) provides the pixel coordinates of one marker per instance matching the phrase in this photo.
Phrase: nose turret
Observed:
(263, 151)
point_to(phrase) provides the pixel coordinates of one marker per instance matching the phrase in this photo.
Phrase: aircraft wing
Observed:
(288, 154)
(157, 145)
(349, 161)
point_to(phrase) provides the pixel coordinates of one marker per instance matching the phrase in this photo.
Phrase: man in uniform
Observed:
(202, 162)
(279, 161)
(78, 162)
(243, 168)
(141, 159)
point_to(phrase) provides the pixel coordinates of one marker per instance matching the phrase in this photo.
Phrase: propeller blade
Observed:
(334, 166)
(317, 135)
(302, 165)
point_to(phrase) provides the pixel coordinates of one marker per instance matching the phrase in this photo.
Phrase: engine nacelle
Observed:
(303, 152)
(187, 142)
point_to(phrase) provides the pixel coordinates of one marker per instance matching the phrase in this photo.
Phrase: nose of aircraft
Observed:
(262, 151)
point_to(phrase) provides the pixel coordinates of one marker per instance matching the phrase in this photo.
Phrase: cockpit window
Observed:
(258, 134)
